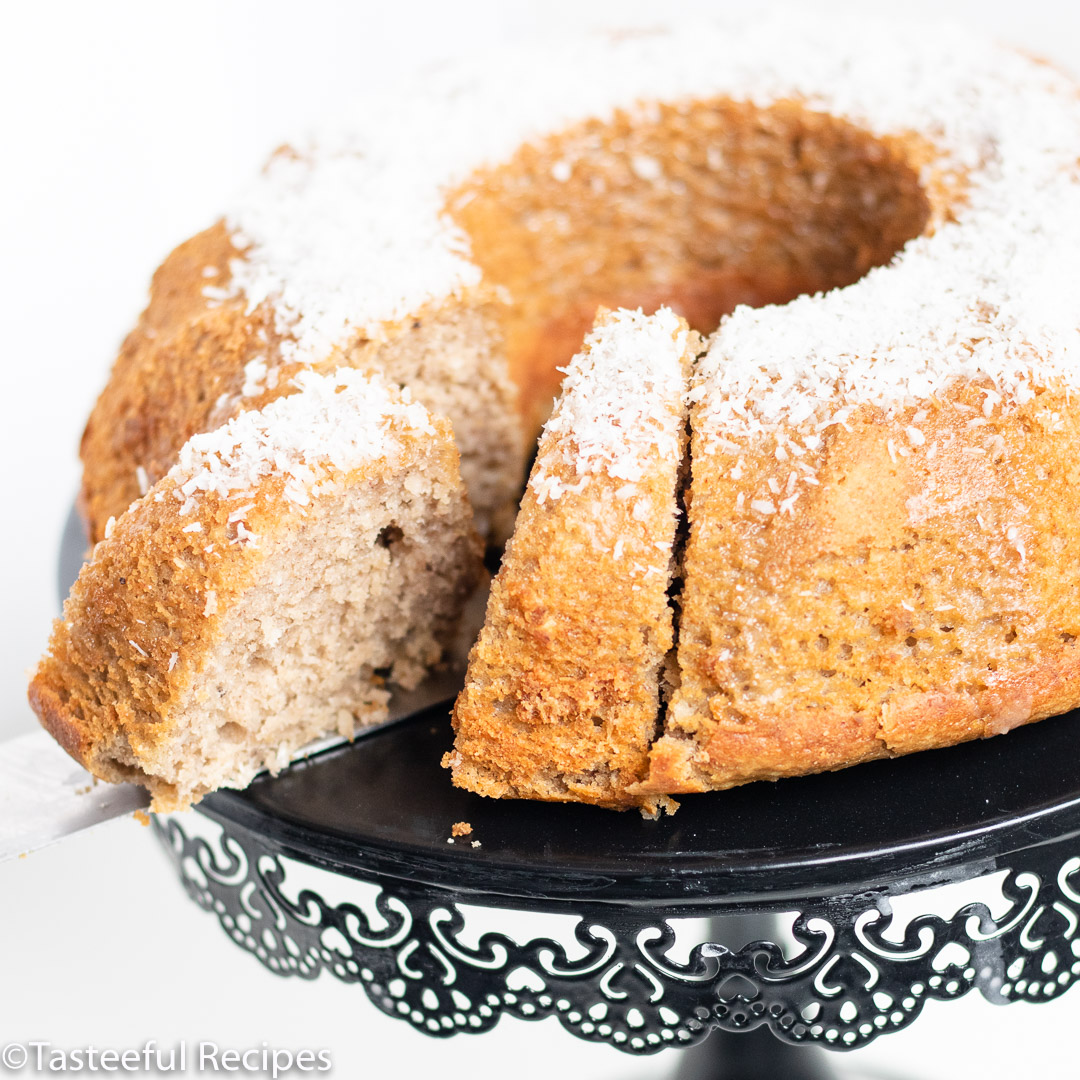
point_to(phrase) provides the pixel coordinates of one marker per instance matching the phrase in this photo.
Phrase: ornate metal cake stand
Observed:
(838, 850)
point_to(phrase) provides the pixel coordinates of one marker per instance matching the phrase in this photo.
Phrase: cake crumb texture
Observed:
(334, 554)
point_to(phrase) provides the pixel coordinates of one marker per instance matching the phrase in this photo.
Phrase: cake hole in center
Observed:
(701, 206)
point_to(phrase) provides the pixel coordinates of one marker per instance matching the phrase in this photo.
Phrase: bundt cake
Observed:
(563, 689)
(880, 543)
(268, 590)
(881, 489)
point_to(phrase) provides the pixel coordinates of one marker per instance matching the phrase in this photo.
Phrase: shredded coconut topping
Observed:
(988, 296)
(349, 231)
(338, 421)
(621, 407)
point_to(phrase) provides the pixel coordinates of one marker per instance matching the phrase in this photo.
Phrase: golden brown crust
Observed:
(135, 624)
(912, 600)
(66, 727)
(558, 704)
(809, 742)
(562, 693)
(186, 352)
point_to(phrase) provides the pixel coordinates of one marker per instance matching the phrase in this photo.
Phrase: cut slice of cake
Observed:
(564, 685)
(265, 592)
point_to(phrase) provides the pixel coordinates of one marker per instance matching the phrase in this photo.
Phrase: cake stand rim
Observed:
(699, 883)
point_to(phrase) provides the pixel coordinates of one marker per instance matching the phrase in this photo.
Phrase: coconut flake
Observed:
(621, 409)
(985, 295)
(336, 422)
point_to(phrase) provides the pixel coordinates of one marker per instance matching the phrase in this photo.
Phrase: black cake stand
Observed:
(837, 849)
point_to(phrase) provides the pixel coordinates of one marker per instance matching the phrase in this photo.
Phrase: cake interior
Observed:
(451, 359)
(366, 591)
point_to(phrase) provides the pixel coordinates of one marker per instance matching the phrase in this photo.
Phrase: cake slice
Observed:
(268, 590)
(564, 685)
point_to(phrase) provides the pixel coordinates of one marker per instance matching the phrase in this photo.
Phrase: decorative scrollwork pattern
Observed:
(853, 975)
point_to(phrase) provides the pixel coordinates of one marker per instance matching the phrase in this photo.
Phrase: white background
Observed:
(124, 128)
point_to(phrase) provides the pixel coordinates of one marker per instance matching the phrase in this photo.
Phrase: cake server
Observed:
(45, 796)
